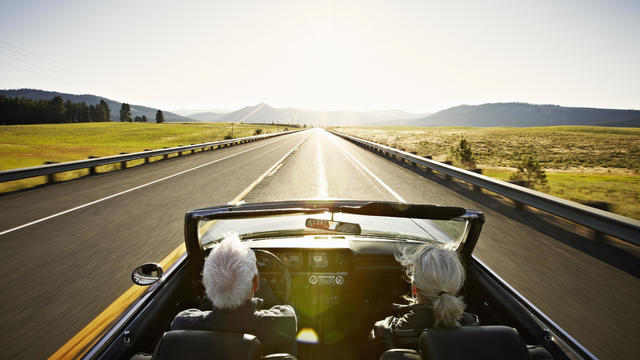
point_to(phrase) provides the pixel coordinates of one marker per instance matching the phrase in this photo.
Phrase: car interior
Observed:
(339, 287)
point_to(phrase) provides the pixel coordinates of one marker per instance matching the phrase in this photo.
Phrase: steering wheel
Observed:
(273, 273)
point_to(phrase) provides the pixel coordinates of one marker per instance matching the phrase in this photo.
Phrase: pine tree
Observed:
(531, 172)
(105, 108)
(159, 117)
(125, 112)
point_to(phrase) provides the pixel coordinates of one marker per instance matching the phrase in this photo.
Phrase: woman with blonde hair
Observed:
(436, 276)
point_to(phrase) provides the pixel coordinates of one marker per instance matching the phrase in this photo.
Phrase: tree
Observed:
(159, 117)
(125, 112)
(531, 172)
(143, 118)
(83, 112)
(56, 110)
(464, 154)
(104, 111)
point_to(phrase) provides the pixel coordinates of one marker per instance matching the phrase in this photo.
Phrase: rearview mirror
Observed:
(146, 274)
(337, 226)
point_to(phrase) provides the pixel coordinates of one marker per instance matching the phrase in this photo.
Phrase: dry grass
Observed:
(582, 163)
(556, 147)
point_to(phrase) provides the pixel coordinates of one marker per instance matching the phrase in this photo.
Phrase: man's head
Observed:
(230, 274)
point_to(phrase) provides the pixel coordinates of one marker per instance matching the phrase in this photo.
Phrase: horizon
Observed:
(418, 57)
(188, 112)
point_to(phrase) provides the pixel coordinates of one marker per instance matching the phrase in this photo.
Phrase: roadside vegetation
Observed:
(32, 145)
(578, 163)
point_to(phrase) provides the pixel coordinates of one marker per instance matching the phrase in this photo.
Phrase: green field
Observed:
(32, 145)
(582, 163)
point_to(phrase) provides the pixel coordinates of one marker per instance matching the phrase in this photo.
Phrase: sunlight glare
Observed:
(307, 336)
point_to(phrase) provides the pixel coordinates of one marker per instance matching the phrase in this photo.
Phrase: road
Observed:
(69, 248)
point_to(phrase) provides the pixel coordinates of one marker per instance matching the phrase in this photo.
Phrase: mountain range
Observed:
(523, 115)
(485, 115)
(263, 113)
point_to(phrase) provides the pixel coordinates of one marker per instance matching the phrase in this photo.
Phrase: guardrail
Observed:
(50, 170)
(618, 226)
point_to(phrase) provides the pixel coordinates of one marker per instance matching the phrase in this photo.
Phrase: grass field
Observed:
(32, 145)
(556, 147)
(582, 163)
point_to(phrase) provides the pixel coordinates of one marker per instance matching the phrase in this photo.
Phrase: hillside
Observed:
(136, 110)
(523, 115)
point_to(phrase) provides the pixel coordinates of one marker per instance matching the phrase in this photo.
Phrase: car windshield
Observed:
(448, 232)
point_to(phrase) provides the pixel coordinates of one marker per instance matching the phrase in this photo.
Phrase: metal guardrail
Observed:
(51, 169)
(618, 226)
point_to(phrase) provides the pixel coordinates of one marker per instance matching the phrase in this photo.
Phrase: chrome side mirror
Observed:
(146, 274)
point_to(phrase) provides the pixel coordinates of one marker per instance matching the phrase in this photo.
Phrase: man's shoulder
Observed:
(283, 311)
(187, 318)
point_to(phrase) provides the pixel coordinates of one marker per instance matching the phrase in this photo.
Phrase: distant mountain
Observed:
(188, 112)
(206, 116)
(522, 115)
(263, 113)
(394, 115)
(136, 110)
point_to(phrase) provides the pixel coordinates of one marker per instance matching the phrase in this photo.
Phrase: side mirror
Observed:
(146, 274)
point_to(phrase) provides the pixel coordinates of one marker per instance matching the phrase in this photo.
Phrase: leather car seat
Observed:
(207, 345)
(474, 342)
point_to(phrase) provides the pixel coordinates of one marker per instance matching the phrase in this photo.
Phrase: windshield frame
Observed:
(309, 207)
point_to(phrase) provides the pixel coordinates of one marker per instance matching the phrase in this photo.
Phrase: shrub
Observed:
(228, 137)
(463, 154)
(531, 172)
(258, 131)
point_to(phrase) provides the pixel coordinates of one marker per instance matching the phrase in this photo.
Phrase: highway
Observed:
(69, 248)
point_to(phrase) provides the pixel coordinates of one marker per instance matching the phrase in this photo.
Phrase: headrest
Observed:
(474, 342)
(206, 345)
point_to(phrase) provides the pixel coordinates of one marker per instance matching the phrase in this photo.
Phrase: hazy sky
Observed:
(417, 56)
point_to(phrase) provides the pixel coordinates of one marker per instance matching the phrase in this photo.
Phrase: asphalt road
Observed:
(59, 273)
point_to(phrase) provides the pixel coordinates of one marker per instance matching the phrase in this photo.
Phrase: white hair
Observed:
(228, 273)
(438, 276)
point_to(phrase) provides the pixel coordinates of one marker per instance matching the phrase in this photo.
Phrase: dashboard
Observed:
(318, 276)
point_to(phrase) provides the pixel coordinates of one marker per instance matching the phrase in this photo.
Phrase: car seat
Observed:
(210, 345)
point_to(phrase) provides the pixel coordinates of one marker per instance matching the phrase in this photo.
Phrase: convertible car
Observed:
(336, 263)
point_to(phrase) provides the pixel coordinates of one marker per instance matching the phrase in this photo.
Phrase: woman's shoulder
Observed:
(414, 316)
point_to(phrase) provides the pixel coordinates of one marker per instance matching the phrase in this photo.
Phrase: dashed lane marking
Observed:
(128, 191)
(85, 338)
(389, 189)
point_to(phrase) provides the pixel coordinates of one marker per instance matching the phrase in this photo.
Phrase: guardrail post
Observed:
(517, 204)
(94, 169)
(602, 205)
(146, 159)
(448, 177)
(477, 188)
(51, 178)
(426, 168)
(411, 162)
(123, 164)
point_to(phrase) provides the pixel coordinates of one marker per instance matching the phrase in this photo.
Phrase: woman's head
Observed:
(437, 276)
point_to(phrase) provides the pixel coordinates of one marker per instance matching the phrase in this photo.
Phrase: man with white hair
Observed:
(230, 278)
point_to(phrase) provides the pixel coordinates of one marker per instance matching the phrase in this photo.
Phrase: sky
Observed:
(418, 56)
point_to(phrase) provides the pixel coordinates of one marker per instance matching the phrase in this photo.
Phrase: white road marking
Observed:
(269, 172)
(129, 190)
(389, 189)
(323, 192)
